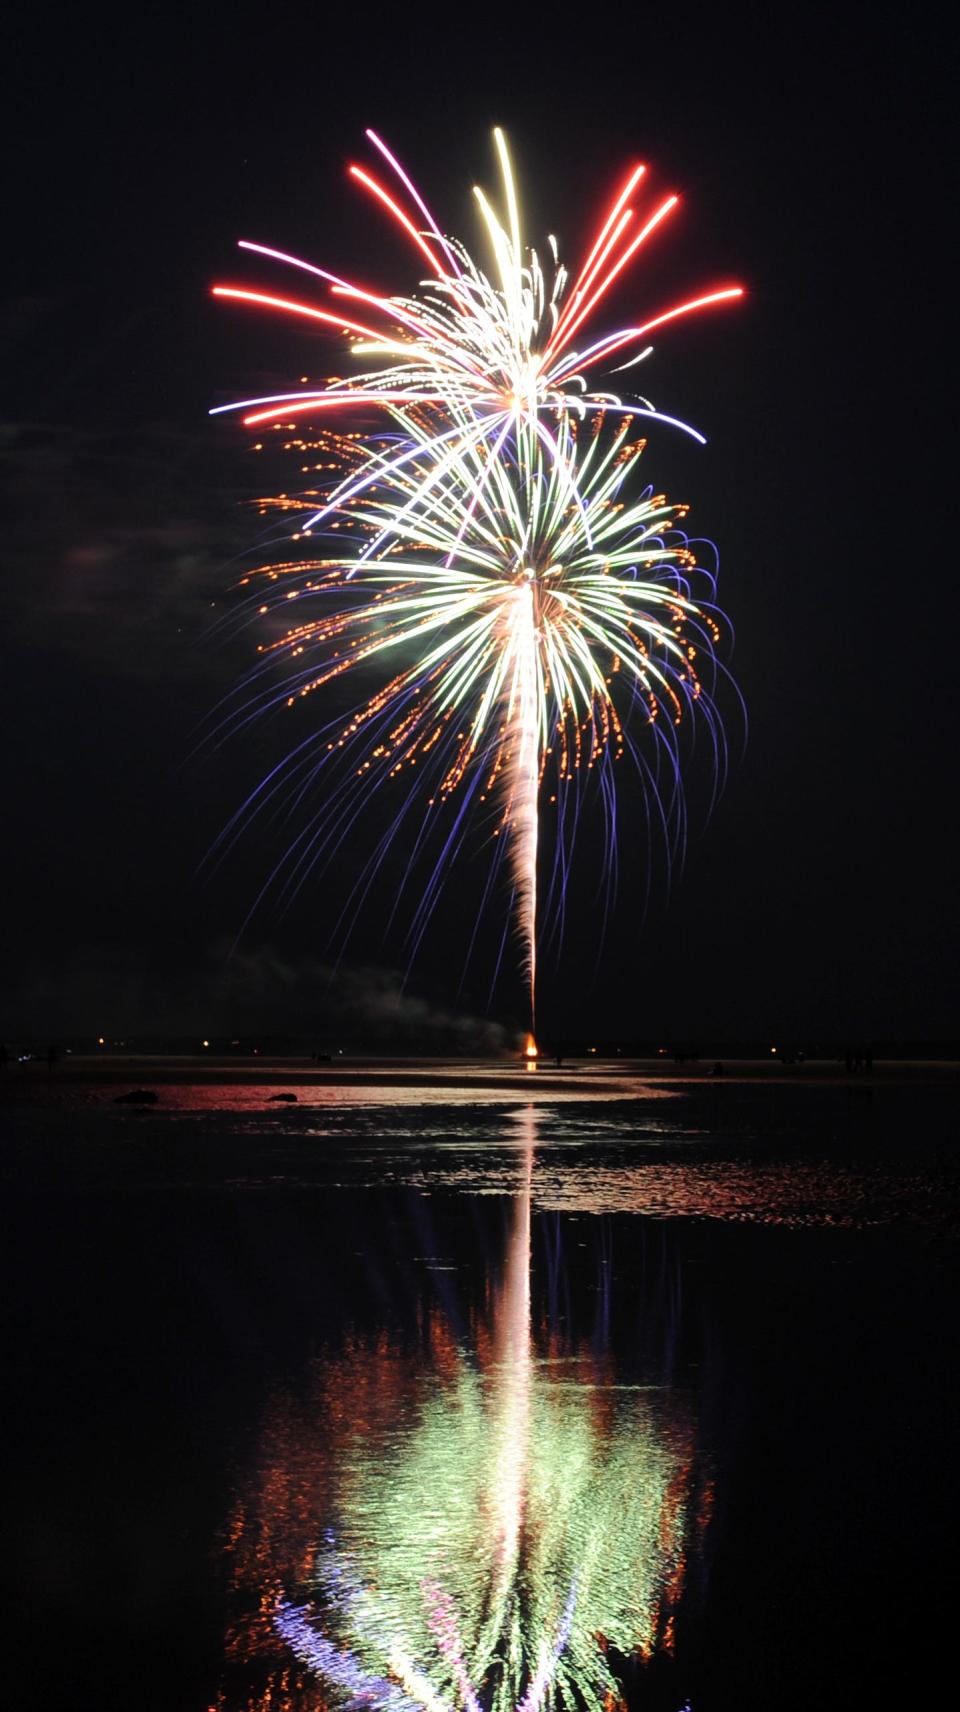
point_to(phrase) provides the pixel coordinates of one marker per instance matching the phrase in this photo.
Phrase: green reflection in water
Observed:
(502, 1538)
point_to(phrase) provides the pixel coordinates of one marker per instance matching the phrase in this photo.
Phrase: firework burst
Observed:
(488, 555)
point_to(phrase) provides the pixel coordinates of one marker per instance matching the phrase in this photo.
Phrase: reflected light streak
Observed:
(499, 1533)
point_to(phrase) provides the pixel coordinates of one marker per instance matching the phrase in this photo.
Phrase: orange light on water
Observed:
(531, 1053)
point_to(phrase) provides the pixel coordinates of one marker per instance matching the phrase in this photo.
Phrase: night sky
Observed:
(820, 900)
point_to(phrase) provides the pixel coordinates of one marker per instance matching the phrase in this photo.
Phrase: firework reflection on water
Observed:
(491, 1522)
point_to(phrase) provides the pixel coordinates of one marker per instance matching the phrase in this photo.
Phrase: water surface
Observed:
(496, 1402)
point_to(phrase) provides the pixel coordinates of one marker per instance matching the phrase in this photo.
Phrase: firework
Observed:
(489, 554)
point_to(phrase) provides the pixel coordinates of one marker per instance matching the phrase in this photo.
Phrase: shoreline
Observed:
(606, 1076)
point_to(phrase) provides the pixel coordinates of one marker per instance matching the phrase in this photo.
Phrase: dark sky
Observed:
(821, 897)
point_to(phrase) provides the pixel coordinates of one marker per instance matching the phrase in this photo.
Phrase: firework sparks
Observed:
(480, 350)
(485, 554)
